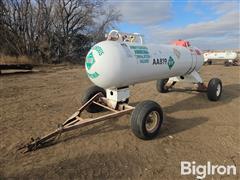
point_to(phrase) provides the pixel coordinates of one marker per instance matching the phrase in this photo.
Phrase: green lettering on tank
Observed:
(141, 53)
(93, 75)
(99, 50)
(171, 62)
(138, 47)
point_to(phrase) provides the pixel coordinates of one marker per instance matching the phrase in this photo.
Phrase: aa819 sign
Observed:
(159, 61)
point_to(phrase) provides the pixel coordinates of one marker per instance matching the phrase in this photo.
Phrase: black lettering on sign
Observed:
(159, 61)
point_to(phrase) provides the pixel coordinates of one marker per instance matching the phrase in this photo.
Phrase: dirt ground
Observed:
(195, 129)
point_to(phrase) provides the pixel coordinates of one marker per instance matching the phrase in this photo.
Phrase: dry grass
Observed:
(4, 59)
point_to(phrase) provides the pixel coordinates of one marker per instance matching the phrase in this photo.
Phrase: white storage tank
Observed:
(226, 55)
(114, 64)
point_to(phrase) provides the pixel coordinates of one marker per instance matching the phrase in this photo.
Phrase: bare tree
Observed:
(52, 28)
(109, 18)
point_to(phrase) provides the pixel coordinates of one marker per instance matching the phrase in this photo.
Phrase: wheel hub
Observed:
(152, 121)
(218, 90)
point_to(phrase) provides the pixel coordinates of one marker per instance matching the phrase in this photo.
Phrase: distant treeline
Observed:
(51, 31)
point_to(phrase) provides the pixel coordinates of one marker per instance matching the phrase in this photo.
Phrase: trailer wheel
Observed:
(214, 90)
(235, 62)
(227, 63)
(146, 120)
(92, 91)
(209, 62)
(161, 85)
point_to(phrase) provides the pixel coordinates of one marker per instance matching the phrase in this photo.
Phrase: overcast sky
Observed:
(207, 24)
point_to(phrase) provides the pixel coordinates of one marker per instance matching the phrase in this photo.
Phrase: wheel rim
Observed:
(218, 90)
(152, 122)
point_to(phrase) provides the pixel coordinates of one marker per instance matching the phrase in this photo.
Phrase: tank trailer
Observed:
(123, 60)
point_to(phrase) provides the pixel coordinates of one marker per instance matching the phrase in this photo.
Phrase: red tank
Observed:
(181, 43)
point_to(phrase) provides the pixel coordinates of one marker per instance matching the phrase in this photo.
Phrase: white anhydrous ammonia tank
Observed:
(114, 64)
(228, 55)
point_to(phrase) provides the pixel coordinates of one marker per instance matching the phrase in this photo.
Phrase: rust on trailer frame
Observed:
(75, 121)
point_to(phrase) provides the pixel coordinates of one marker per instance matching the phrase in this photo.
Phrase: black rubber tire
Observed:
(213, 88)
(227, 63)
(139, 118)
(209, 62)
(161, 85)
(92, 91)
(236, 62)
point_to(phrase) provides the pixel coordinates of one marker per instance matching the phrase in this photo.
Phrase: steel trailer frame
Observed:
(76, 121)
